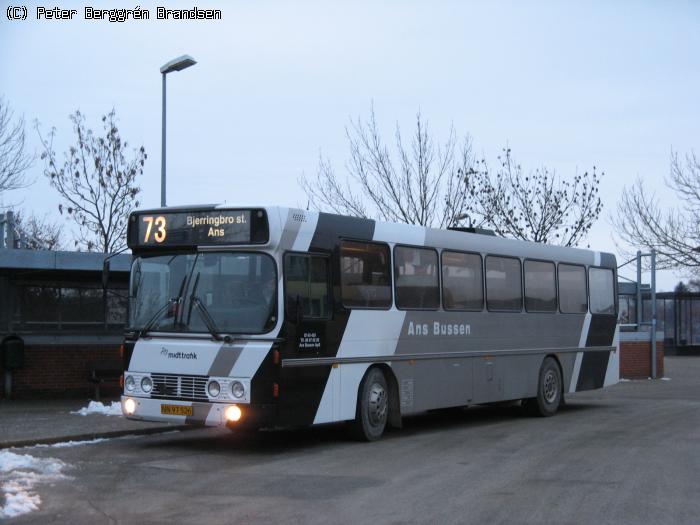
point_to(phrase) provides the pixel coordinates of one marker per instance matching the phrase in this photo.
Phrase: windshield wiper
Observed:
(207, 318)
(157, 316)
(204, 312)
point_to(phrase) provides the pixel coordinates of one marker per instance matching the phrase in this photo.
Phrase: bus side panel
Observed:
(301, 391)
(434, 383)
(339, 401)
(521, 376)
(568, 365)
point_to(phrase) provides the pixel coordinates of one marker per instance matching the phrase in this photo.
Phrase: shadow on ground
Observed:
(278, 441)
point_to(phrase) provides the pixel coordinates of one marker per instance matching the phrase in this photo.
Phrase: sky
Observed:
(567, 85)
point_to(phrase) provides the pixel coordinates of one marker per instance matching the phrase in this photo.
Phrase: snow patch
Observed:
(623, 380)
(19, 476)
(18, 502)
(68, 444)
(665, 379)
(96, 407)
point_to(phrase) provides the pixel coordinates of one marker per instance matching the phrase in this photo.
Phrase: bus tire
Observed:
(372, 407)
(549, 391)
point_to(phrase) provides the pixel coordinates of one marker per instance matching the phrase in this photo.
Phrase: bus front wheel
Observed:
(549, 391)
(372, 407)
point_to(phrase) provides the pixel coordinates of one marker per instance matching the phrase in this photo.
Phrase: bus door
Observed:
(308, 311)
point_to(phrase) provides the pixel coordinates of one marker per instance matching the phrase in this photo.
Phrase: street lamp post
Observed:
(177, 64)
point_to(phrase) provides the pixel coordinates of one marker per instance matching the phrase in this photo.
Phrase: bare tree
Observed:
(537, 205)
(38, 233)
(443, 185)
(420, 183)
(674, 232)
(97, 182)
(14, 159)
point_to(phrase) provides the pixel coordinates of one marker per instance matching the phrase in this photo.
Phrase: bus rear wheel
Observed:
(549, 391)
(372, 407)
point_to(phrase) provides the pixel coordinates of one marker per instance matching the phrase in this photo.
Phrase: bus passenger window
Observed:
(503, 284)
(602, 290)
(572, 289)
(365, 276)
(416, 278)
(462, 281)
(540, 287)
(306, 278)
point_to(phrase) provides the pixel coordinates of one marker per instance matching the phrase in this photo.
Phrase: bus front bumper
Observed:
(194, 412)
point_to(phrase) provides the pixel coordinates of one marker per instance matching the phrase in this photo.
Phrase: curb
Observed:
(93, 435)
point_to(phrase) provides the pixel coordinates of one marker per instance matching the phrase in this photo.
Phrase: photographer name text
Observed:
(120, 15)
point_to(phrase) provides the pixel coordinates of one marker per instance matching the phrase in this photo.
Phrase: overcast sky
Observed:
(616, 86)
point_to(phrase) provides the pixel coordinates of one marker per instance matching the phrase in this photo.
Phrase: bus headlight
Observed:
(146, 384)
(237, 389)
(130, 383)
(214, 389)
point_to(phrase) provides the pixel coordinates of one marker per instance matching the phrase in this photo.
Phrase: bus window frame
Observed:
(439, 277)
(615, 298)
(522, 284)
(329, 283)
(341, 240)
(556, 287)
(585, 278)
(483, 282)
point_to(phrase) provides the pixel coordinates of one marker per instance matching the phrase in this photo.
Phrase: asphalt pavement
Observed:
(46, 421)
(626, 454)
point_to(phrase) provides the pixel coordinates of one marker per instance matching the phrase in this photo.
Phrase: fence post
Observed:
(653, 314)
(639, 289)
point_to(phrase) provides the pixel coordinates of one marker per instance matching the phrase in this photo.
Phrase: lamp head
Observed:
(178, 64)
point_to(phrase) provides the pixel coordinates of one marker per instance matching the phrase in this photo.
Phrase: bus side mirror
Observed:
(105, 274)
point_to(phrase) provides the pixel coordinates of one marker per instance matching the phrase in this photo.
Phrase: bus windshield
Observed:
(233, 292)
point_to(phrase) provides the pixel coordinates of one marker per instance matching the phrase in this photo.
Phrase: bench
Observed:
(107, 371)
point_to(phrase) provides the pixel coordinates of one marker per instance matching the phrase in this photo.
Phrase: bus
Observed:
(281, 317)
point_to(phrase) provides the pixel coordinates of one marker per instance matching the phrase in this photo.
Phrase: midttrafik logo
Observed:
(177, 355)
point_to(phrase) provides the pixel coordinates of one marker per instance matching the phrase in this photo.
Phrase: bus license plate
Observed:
(176, 410)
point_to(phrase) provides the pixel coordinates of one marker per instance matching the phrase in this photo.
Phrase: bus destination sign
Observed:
(185, 228)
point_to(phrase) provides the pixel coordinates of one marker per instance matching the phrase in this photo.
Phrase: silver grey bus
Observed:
(271, 316)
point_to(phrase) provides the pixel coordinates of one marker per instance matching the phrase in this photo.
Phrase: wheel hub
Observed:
(377, 404)
(551, 386)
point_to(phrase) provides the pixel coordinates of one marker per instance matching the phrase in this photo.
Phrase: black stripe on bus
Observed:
(301, 389)
(594, 365)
